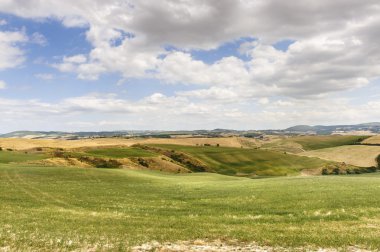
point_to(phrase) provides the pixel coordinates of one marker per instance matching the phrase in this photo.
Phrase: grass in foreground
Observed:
(249, 162)
(49, 209)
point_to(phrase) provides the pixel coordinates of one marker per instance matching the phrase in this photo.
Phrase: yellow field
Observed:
(372, 140)
(359, 155)
(24, 144)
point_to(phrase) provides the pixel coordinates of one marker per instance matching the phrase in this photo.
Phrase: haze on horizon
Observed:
(93, 65)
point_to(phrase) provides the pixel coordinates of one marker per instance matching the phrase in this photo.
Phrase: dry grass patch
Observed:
(372, 140)
(26, 144)
(358, 155)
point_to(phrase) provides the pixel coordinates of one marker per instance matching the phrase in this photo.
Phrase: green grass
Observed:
(236, 161)
(17, 156)
(320, 142)
(120, 152)
(46, 209)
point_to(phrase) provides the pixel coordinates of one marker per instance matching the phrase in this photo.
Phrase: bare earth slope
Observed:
(359, 155)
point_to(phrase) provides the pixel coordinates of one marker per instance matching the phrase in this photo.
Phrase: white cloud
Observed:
(159, 111)
(330, 41)
(3, 22)
(44, 76)
(334, 50)
(10, 54)
(3, 85)
(39, 39)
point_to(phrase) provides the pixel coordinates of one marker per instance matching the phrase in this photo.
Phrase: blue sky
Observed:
(96, 65)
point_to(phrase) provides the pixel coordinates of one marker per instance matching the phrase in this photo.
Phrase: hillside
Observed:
(248, 162)
(358, 155)
(326, 130)
(81, 209)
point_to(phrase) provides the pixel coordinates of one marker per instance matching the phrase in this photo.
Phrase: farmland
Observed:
(56, 198)
(58, 208)
(248, 162)
(359, 155)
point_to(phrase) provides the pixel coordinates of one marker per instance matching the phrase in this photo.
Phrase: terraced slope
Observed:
(248, 162)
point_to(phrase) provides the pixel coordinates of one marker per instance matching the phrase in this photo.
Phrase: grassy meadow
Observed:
(58, 208)
(121, 152)
(320, 142)
(299, 144)
(18, 156)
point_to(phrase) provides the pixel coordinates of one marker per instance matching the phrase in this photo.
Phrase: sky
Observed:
(94, 65)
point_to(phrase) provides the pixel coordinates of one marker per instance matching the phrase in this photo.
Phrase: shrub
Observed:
(1, 149)
(325, 171)
(100, 162)
(336, 171)
(143, 162)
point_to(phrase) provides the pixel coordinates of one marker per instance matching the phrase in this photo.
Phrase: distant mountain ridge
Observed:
(373, 127)
(322, 129)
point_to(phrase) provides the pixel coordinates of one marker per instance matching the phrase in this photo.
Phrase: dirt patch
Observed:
(70, 162)
(311, 172)
(218, 246)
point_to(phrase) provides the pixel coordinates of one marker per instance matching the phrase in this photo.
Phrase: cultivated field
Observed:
(25, 144)
(298, 144)
(359, 155)
(372, 140)
(57, 208)
(248, 162)
(107, 195)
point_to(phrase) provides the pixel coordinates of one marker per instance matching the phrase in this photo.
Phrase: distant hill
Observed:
(373, 127)
(322, 129)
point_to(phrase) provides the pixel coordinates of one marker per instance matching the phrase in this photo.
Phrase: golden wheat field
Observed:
(24, 144)
(359, 155)
(372, 140)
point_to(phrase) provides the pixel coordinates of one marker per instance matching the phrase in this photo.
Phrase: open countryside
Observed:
(146, 193)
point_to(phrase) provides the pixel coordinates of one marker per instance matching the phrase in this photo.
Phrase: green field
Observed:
(320, 142)
(45, 209)
(248, 162)
(120, 152)
(299, 144)
(17, 156)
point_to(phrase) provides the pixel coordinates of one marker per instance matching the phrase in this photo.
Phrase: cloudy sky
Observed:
(187, 64)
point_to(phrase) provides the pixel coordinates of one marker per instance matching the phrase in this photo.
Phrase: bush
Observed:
(336, 171)
(1, 149)
(100, 162)
(143, 162)
(325, 171)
